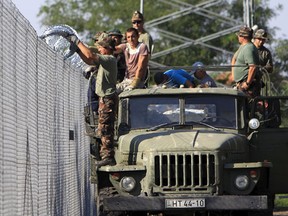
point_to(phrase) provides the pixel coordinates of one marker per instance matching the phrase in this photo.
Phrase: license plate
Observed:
(184, 203)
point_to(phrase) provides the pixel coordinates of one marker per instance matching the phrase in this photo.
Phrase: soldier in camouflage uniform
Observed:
(106, 90)
(265, 57)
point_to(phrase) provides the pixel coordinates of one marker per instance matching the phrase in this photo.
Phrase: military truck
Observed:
(200, 151)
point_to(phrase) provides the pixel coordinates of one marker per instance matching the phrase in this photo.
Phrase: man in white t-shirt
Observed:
(136, 56)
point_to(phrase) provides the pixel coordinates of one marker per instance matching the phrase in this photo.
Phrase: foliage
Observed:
(89, 16)
(281, 200)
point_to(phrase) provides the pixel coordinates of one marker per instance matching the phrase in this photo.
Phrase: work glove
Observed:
(73, 39)
(128, 88)
(135, 83)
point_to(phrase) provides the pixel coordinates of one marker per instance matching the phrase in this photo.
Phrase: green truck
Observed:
(200, 151)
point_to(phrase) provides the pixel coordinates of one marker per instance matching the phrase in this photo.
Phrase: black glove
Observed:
(86, 74)
(74, 48)
(88, 71)
(73, 39)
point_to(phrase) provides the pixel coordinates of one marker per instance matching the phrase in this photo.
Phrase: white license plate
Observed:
(184, 203)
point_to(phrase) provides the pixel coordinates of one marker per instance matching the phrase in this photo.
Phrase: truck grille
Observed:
(184, 170)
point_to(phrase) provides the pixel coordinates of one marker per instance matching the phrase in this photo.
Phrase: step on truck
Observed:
(200, 151)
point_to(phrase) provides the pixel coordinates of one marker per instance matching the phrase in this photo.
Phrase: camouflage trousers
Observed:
(107, 112)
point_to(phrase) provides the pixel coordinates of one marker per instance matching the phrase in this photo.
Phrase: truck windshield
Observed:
(146, 112)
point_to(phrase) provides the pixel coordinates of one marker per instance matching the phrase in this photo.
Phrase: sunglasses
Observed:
(137, 21)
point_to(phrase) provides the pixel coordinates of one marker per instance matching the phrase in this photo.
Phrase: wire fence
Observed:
(44, 154)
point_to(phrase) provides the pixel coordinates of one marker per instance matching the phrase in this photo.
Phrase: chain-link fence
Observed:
(44, 154)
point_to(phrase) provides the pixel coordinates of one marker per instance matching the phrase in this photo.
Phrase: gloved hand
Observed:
(135, 83)
(128, 88)
(74, 48)
(88, 71)
(73, 39)
(86, 74)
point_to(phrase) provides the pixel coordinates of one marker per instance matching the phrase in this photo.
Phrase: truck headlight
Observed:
(242, 182)
(127, 183)
(254, 123)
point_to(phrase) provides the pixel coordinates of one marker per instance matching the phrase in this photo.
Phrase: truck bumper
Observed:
(211, 203)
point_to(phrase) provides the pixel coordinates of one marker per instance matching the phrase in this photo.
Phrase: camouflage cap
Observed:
(137, 16)
(245, 31)
(99, 36)
(106, 42)
(261, 34)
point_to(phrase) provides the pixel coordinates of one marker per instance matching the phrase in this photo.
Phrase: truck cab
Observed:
(204, 151)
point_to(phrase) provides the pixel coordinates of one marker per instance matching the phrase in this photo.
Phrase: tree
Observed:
(187, 32)
(90, 16)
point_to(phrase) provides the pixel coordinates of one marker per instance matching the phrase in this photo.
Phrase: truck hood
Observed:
(181, 140)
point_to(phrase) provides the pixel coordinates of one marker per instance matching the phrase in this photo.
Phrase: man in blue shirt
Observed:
(174, 78)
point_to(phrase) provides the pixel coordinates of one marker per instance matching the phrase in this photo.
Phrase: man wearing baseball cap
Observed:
(244, 64)
(198, 70)
(265, 57)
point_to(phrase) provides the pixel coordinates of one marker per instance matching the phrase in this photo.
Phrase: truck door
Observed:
(270, 141)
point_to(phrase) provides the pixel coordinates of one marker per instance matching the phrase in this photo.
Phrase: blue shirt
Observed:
(178, 77)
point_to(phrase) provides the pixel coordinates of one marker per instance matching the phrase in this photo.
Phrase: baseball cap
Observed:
(115, 32)
(137, 16)
(245, 31)
(196, 66)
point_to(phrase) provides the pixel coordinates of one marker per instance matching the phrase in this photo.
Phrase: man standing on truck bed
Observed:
(106, 90)
(244, 64)
(144, 37)
(265, 57)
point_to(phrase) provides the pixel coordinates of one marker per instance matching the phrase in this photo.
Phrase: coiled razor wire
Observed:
(55, 36)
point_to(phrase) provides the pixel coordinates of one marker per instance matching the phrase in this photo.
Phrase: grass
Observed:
(281, 201)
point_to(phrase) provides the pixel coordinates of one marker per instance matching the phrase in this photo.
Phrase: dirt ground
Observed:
(283, 213)
(280, 212)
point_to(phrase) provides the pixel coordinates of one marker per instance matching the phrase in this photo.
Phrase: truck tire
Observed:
(106, 192)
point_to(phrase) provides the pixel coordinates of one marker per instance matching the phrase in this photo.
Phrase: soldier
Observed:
(244, 64)
(106, 90)
(121, 63)
(138, 23)
(265, 57)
